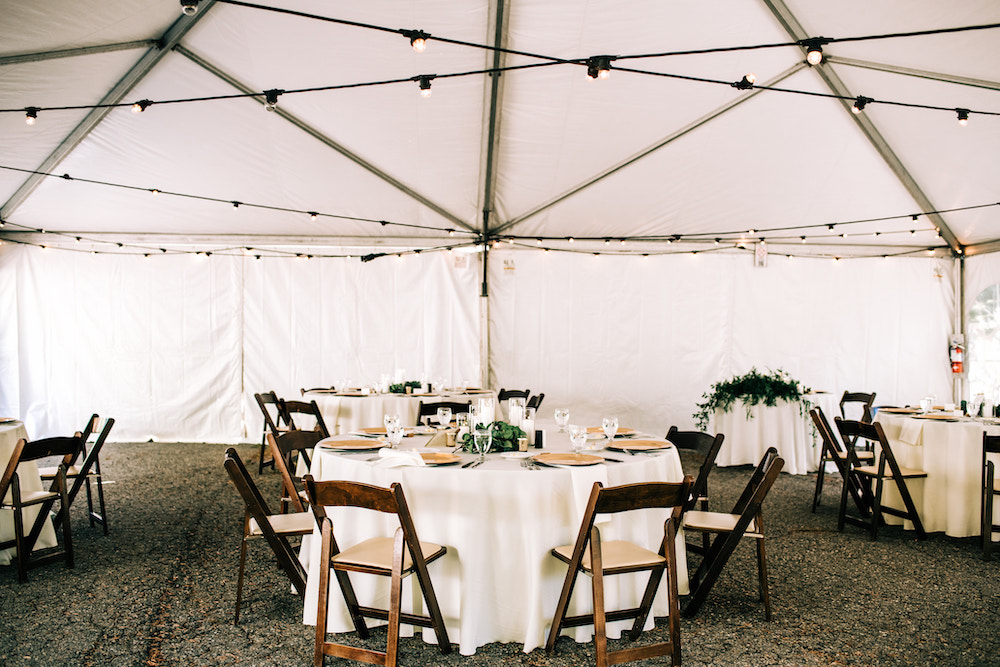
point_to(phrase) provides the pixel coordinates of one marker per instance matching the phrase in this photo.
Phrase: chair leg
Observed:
(395, 602)
(986, 520)
(877, 508)
(100, 502)
(819, 483)
(765, 595)
(562, 606)
(324, 598)
(19, 546)
(239, 576)
(597, 592)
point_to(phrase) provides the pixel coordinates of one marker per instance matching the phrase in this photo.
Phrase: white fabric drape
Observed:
(174, 347)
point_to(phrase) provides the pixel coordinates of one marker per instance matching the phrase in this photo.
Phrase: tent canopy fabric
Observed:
(663, 147)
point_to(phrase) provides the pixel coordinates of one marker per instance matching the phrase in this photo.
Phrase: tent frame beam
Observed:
(145, 64)
(792, 26)
(39, 56)
(918, 73)
(323, 138)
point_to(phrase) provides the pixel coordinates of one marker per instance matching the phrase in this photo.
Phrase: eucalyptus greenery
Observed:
(504, 438)
(400, 387)
(752, 389)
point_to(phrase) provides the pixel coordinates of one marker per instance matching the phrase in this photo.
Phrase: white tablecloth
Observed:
(786, 427)
(346, 413)
(951, 453)
(497, 582)
(27, 472)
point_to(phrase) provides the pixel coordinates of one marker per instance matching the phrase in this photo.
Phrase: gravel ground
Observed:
(160, 588)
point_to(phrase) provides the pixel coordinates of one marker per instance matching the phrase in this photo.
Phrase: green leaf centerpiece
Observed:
(504, 438)
(752, 389)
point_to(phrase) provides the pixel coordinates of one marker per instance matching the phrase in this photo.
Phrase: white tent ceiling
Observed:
(543, 153)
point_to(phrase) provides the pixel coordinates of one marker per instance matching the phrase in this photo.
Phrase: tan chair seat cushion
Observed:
(616, 554)
(872, 471)
(296, 523)
(860, 453)
(72, 471)
(29, 498)
(717, 522)
(377, 553)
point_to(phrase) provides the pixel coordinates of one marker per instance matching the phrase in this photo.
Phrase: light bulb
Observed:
(30, 115)
(189, 7)
(814, 56)
(419, 44)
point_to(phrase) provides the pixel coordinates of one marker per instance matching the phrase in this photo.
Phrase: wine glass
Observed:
(394, 435)
(610, 426)
(482, 438)
(444, 417)
(578, 437)
(562, 418)
(389, 421)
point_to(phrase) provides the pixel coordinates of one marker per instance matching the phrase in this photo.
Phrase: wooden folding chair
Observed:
(833, 451)
(857, 406)
(887, 470)
(598, 559)
(86, 474)
(709, 445)
(286, 448)
(27, 557)
(506, 394)
(275, 421)
(746, 519)
(259, 521)
(309, 410)
(395, 557)
(991, 489)
(535, 401)
(429, 410)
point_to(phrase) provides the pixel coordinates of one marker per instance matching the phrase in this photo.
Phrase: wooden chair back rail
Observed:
(256, 507)
(268, 401)
(616, 500)
(430, 409)
(284, 448)
(506, 394)
(307, 408)
(535, 401)
(874, 434)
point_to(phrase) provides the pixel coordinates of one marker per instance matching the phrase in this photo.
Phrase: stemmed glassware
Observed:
(610, 426)
(578, 437)
(444, 417)
(482, 439)
(389, 421)
(394, 435)
(562, 418)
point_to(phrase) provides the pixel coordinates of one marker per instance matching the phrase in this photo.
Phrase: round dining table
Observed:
(347, 411)
(11, 430)
(499, 520)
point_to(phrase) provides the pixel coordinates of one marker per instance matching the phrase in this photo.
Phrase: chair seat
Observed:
(615, 555)
(862, 454)
(72, 471)
(297, 523)
(376, 554)
(32, 498)
(717, 522)
(872, 471)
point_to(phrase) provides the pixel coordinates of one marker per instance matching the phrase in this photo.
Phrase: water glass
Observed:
(394, 435)
(562, 418)
(482, 439)
(444, 417)
(578, 437)
(610, 426)
(389, 421)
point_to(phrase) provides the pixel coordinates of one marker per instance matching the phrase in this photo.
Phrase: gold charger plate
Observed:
(351, 445)
(641, 445)
(620, 431)
(900, 411)
(380, 430)
(566, 459)
(439, 458)
(943, 418)
(7, 420)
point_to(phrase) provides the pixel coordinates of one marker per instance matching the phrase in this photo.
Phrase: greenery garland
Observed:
(752, 389)
(504, 438)
(400, 387)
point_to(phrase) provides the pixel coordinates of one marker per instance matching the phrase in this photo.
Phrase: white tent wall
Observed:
(644, 338)
(174, 346)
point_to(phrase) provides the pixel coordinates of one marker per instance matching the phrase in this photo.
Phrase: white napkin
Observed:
(911, 430)
(395, 458)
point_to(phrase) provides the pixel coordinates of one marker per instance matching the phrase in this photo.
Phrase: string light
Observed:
(141, 106)
(313, 215)
(189, 7)
(271, 98)
(599, 67)
(425, 85)
(236, 205)
(746, 83)
(860, 102)
(31, 115)
(963, 116)
(814, 49)
(418, 39)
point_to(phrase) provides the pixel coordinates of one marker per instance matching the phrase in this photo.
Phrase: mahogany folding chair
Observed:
(506, 394)
(330, 389)
(395, 557)
(834, 451)
(709, 445)
(599, 559)
(887, 470)
(535, 401)
(286, 448)
(745, 519)
(430, 410)
(310, 418)
(991, 489)
(86, 474)
(27, 557)
(275, 421)
(259, 521)
(857, 405)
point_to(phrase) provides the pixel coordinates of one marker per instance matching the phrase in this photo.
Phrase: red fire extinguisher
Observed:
(957, 355)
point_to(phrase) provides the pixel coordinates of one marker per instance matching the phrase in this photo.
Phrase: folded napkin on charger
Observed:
(443, 438)
(395, 458)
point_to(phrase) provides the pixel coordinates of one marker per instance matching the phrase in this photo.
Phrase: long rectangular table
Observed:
(498, 582)
(949, 500)
(27, 472)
